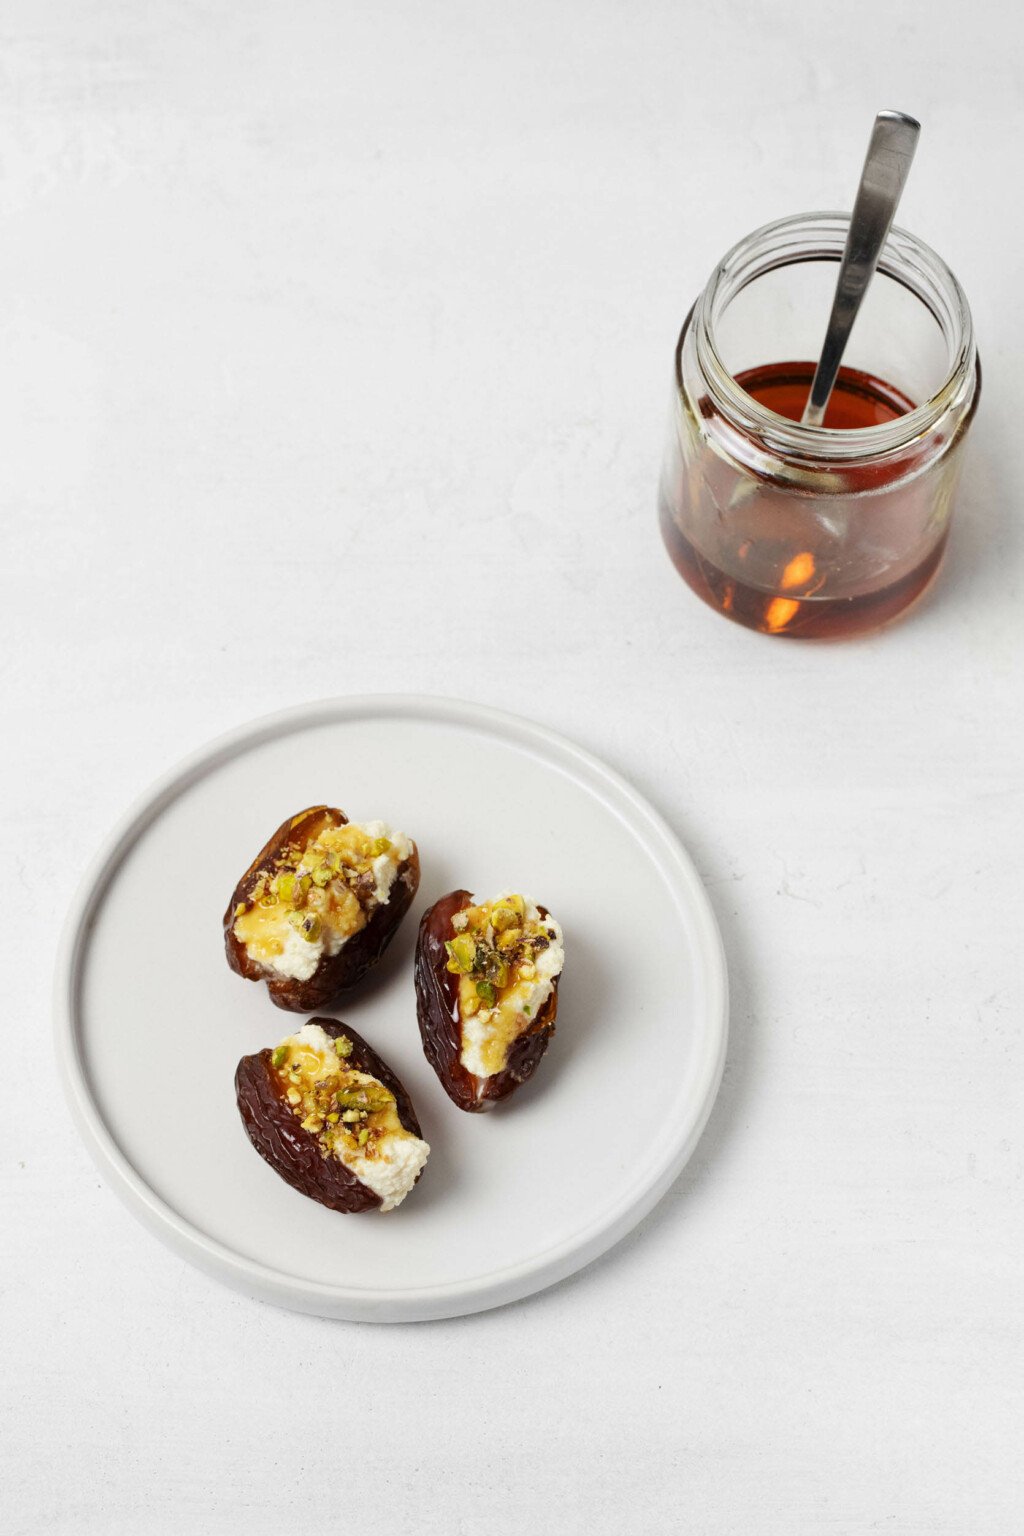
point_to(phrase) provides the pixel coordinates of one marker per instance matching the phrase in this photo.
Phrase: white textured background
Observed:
(335, 352)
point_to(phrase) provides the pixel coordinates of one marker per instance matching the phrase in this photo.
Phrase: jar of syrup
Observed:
(830, 530)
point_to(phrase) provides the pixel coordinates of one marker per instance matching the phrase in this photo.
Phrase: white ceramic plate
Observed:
(151, 1022)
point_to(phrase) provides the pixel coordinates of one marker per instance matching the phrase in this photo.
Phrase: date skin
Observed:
(293, 1153)
(336, 973)
(437, 1010)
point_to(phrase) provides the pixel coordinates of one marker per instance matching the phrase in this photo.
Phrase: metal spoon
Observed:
(890, 153)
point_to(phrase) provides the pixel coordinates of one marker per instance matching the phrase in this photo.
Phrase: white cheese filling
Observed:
(527, 998)
(313, 1037)
(395, 1169)
(299, 957)
(400, 1156)
(385, 865)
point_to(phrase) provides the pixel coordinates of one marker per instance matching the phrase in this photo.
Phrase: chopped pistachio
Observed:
(333, 1117)
(283, 886)
(364, 1100)
(485, 991)
(280, 1056)
(351, 1115)
(527, 1009)
(321, 876)
(343, 1045)
(461, 954)
(490, 965)
(240, 908)
(503, 917)
(364, 1137)
(294, 1096)
(380, 845)
(460, 922)
(306, 923)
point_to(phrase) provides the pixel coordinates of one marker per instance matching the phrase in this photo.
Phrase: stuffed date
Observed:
(332, 1119)
(486, 993)
(319, 905)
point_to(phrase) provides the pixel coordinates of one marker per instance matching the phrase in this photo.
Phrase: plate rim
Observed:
(413, 1303)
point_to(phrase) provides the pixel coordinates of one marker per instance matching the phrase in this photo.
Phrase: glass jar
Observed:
(817, 531)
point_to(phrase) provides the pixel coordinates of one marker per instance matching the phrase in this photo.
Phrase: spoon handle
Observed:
(886, 167)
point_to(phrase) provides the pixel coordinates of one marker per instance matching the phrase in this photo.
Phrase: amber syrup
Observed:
(787, 588)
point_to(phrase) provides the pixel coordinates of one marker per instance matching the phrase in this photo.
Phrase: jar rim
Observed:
(805, 237)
